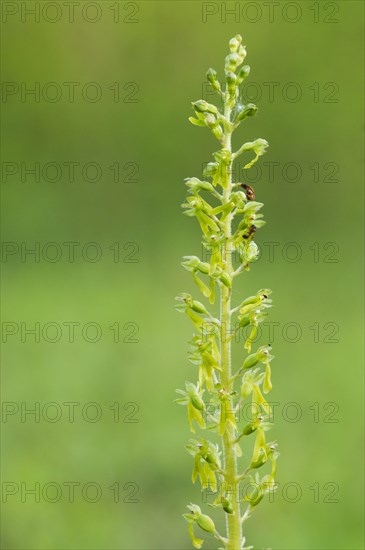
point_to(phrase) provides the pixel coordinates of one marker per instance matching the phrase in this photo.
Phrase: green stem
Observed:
(233, 520)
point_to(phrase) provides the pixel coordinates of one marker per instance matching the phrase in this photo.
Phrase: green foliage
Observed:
(228, 221)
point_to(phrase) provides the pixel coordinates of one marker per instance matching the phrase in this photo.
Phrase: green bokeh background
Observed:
(167, 53)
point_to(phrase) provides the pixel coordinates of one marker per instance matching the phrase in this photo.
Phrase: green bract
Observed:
(229, 217)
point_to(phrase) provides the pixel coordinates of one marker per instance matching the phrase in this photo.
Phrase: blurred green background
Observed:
(127, 432)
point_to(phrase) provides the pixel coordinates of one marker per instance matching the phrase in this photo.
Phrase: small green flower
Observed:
(195, 185)
(206, 462)
(202, 520)
(248, 381)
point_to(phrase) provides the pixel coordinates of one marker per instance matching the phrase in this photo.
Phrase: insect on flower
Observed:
(250, 193)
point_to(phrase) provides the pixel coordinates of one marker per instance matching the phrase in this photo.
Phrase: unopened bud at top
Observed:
(235, 43)
(211, 75)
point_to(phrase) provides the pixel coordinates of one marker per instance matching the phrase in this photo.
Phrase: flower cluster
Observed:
(229, 217)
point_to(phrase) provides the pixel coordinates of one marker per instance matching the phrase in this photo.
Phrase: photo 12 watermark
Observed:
(69, 92)
(290, 492)
(69, 171)
(70, 412)
(270, 12)
(69, 332)
(69, 492)
(53, 12)
(287, 92)
(291, 171)
(70, 252)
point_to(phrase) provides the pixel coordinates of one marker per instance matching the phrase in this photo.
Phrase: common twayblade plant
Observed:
(231, 454)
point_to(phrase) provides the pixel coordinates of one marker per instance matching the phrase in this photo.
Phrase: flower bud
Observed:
(242, 53)
(243, 73)
(231, 82)
(232, 61)
(195, 185)
(227, 505)
(213, 124)
(211, 75)
(249, 110)
(235, 43)
(202, 106)
(212, 79)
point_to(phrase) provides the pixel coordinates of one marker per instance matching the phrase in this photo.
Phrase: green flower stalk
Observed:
(229, 217)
